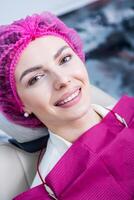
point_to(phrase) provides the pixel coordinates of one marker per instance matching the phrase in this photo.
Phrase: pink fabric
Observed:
(35, 194)
(99, 165)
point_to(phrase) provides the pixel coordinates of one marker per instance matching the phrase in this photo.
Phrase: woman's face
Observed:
(52, 82)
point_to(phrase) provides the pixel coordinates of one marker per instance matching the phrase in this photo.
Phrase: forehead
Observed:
(45, 45)
(39, 51)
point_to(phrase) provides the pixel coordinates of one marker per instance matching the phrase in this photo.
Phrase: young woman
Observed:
(44, 82)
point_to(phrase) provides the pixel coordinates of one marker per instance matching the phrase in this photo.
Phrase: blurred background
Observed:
(106, 28)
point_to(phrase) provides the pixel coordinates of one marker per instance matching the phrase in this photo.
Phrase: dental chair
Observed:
(18, 167)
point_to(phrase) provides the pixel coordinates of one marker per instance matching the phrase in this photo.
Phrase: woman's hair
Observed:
(13, 40)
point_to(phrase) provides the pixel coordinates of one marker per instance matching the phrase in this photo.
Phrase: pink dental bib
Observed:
(99, 165)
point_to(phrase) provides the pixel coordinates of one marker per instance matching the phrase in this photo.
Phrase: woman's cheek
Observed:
(81, 74)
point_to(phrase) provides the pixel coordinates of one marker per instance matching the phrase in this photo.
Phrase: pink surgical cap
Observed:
(13, 40)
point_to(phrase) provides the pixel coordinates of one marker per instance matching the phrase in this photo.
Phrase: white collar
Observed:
(60, 143)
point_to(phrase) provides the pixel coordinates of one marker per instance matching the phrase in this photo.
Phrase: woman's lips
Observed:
(66, 95)
(72, 102)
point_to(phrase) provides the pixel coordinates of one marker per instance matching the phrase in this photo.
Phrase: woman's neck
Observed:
(75, 129)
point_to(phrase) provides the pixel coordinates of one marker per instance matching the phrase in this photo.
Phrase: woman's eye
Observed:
(65, 59)
(33, 80)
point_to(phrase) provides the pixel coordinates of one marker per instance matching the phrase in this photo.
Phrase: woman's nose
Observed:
(61, 81)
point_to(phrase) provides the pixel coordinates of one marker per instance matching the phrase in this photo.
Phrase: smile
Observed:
(71, 100)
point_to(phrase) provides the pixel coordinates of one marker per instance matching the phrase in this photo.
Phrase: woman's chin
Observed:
(77, 114)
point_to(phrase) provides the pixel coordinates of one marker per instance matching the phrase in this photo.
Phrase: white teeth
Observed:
(70, 98)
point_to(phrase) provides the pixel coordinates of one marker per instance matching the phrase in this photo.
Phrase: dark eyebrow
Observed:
(35, 68)
(60, 51)
(32, 69)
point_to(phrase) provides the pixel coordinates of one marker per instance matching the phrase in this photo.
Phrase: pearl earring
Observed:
(26, 114)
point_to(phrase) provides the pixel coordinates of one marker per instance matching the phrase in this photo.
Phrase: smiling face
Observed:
(52, 82)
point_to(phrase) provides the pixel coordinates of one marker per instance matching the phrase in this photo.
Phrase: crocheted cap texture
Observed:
(13, 40)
